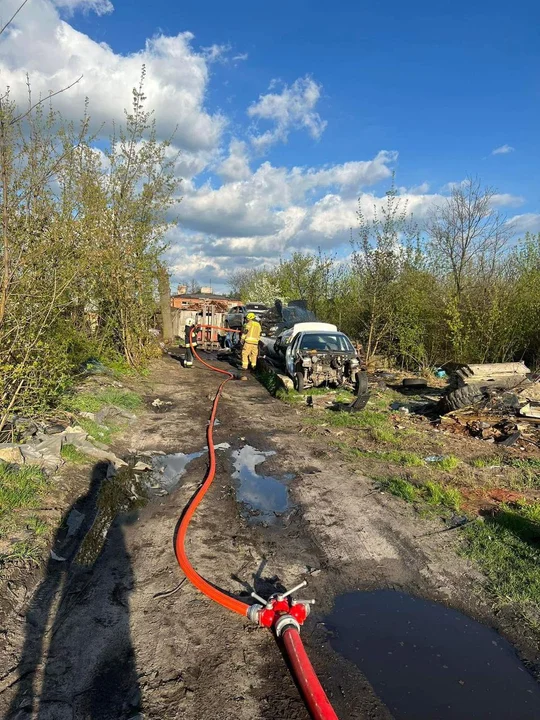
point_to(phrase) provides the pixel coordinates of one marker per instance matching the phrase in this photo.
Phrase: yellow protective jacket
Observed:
(252, 333)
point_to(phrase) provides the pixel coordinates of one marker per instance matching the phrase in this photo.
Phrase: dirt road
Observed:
(106, 637)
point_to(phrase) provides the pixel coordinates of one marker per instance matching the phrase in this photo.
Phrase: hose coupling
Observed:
(284, 622)
(253, 613)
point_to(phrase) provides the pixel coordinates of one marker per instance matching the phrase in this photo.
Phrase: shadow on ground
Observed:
(77, 660)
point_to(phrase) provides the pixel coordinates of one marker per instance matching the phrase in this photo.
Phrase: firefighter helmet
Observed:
(190, 322)
(250, 316)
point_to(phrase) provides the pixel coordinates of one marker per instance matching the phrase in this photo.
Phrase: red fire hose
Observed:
(283, 616)
(305, 676)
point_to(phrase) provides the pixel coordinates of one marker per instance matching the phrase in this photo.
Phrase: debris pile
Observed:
(43, 442)
(496, 405)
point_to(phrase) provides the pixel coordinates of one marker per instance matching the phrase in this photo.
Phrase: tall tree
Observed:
(383, 246)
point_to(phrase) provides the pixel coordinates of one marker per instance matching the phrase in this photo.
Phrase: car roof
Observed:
(313, 326)
(321, 332)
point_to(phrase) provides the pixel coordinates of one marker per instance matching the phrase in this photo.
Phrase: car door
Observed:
(290, 353)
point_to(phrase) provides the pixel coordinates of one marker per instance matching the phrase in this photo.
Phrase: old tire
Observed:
(299, 382)
(361, 385)
(462, 397)
(414, 382)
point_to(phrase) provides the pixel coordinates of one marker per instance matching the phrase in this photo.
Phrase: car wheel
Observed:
(299, 382)
(461, 397)
(414, 382)
(361, 383)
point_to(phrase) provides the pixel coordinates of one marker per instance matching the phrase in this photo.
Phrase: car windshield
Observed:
(326, 342)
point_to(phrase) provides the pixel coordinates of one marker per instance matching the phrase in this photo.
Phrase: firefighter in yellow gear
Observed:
(250, 342)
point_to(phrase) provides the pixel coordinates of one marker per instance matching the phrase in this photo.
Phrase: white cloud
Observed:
(256, 204)
(236, 165)
(507, 200)
(55, 54)
(100, 7)
(235, 210)
(292, 109)
(528, 222)
(503, 150)
(454, 185)
(421, 189)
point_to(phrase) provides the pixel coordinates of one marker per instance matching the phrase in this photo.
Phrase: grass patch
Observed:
(508, 555)
(400, 488)
(432, 493)
(437, 494)
(385, 435)
(71, 454)
(449, 462)
(38, 527)
(382, 401)
(528, 466)
(19, 488)
(485, 462)
(101, 433)
(399, 457)
(94, 402)
(23, 550)
(364, 419)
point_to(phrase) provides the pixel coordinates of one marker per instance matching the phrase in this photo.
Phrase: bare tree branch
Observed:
(40, 102)
(12, 18)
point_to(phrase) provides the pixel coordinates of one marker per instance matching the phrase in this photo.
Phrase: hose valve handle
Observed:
(282, 596)
(263, 602)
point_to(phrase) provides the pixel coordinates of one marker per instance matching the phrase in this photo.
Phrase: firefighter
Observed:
(250, 342)
(188, 357)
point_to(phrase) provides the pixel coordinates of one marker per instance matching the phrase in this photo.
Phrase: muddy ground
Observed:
(116, 634)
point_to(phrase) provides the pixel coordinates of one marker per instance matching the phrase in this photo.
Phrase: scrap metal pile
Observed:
(498, 403)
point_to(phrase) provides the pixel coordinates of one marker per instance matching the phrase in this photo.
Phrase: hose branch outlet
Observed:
(267, 613)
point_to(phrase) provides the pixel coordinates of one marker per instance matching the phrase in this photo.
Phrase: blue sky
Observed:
(438, 86)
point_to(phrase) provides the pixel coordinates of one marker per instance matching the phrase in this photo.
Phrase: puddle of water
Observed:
(263, 496)
(168, 470)
(428, 662)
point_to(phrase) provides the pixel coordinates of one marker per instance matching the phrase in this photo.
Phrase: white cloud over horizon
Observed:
(525, 223)
(236, 209)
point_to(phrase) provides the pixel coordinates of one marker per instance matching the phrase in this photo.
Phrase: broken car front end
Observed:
(316, 369)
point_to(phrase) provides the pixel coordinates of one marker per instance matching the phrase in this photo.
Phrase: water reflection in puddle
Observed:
(119, 496)
(428, 662)
(168, 470)
(264, 497)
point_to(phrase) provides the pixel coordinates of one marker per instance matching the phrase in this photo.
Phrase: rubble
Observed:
(43, 445)
(10, 453)
(531, 411)
(499, 417)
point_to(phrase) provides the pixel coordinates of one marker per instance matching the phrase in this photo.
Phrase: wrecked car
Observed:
(282, 317)
(316, 354)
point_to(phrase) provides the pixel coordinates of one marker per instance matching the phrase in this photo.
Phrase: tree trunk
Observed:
(165, 303)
